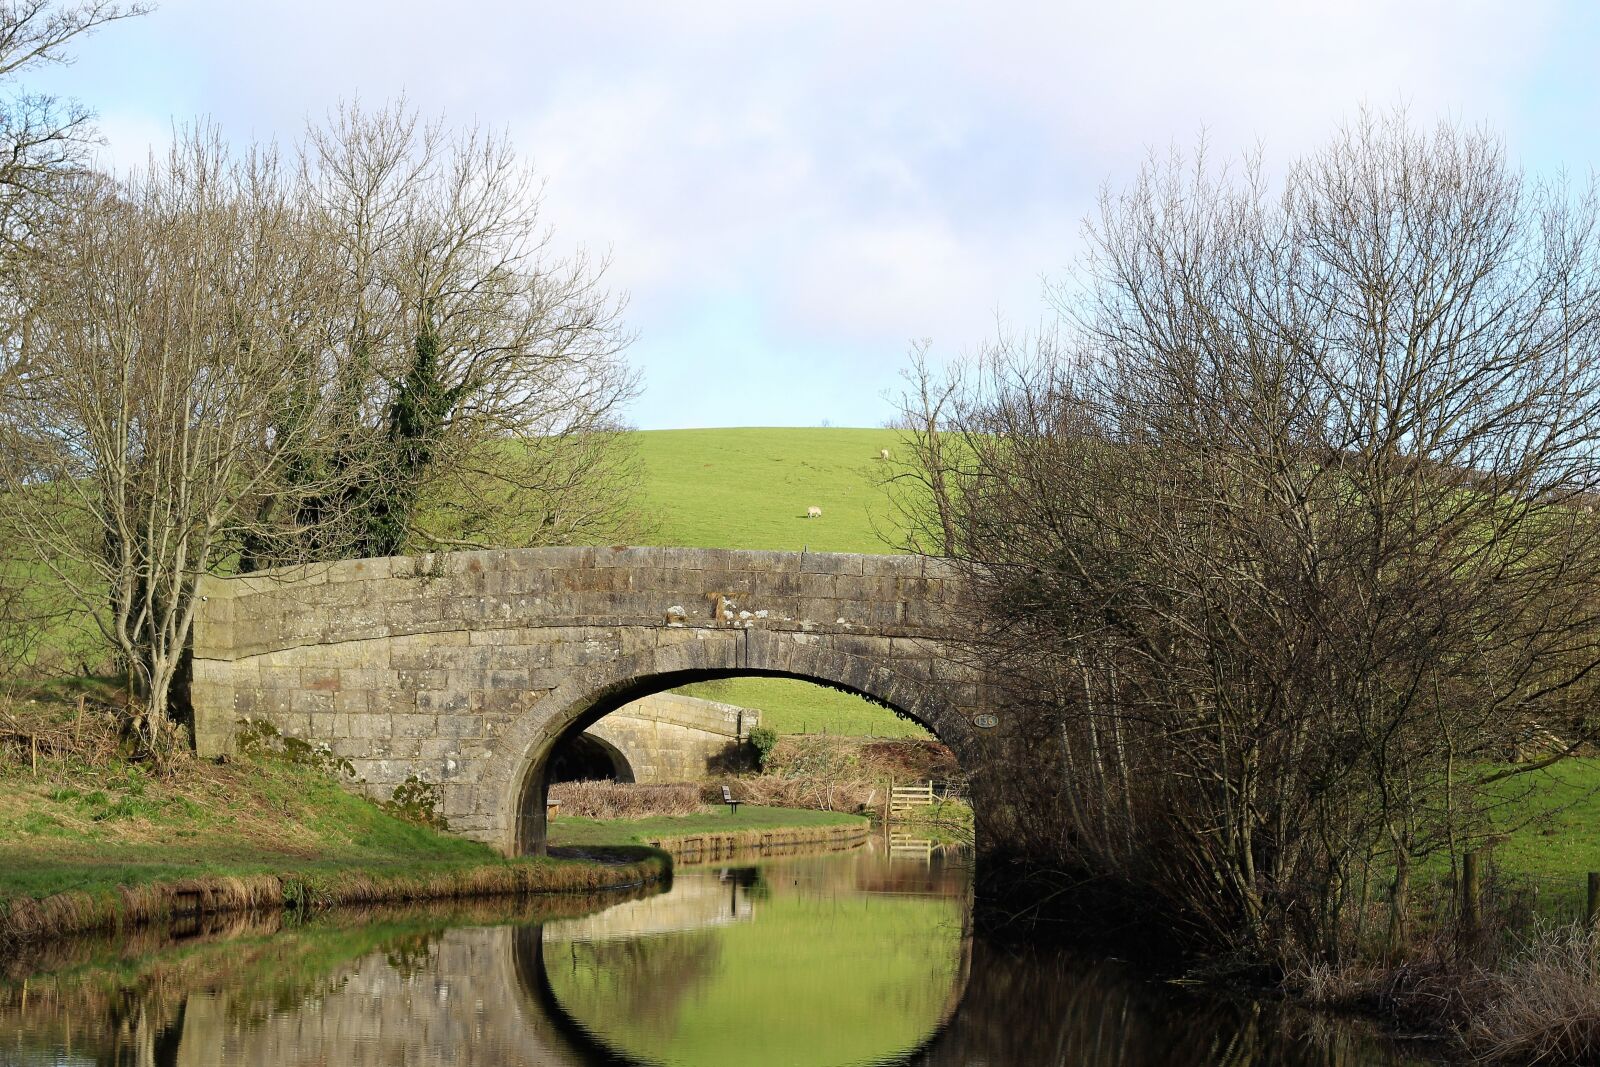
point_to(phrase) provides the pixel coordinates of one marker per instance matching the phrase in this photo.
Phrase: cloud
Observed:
(826, 177)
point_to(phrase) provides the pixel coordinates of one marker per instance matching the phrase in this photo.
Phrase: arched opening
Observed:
(581, 710)
(583, 757)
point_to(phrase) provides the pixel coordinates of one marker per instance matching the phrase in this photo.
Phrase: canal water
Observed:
(855, 958)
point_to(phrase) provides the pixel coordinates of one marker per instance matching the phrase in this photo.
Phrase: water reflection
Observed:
(855, 959)
(815, 960)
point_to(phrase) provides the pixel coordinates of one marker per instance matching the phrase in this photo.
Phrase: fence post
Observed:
(1471, 894)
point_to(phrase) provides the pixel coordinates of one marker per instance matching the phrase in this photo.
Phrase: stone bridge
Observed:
(466, 669)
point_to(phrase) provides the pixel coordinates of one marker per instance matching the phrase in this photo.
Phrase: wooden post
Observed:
(1471, 894)
(888, 805)
(1591, 914)
(33, 743)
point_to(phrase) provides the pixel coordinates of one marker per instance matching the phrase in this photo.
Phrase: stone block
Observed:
(280, 677)
(413, 725)
(311, 702)
(444, 700)
(508, 679)
(418, 680)
(347, 701)
(439, 749)
(830, 563)
(321, 679)
(392, 700)
(892, 566)
(368, 727)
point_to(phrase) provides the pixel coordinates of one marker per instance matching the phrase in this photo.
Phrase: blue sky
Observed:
(792, 194)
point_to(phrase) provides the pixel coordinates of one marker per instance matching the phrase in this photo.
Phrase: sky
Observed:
(791, 195)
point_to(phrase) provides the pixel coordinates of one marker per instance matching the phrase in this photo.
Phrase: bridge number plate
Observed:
(986, 720)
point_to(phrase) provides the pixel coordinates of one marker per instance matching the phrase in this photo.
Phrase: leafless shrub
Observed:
(625, 800)
(767, 790)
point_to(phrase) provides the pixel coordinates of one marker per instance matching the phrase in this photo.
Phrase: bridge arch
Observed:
(588, 756)
(523, 759)
(463, 669)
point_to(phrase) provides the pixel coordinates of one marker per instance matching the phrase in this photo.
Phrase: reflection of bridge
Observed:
(693, 904)
(485, 1000)
(467, 669)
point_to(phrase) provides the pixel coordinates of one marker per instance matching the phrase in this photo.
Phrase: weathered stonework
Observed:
(464, 669)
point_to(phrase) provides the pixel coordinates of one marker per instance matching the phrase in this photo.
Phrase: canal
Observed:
(857, 958)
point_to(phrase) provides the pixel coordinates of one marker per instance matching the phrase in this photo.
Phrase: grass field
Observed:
(1550, 834)
(749, 488)
(794, 707)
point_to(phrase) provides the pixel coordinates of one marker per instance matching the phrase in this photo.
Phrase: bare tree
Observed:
(42, 138)
(1288, 535)
(167, 331)
(44, 142)
(479, 377)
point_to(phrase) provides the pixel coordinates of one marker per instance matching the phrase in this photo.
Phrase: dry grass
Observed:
(47, 726)
(777, 791)
(1543, 1006)
(1530, 999)
(618, 800)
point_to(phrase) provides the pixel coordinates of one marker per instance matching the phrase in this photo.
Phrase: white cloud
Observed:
(851, 175)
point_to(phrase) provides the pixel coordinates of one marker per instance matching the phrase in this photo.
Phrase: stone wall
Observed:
(667, 737)
(464, 669)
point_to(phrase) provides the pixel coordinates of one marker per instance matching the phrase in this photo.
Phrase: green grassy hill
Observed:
(750, 488)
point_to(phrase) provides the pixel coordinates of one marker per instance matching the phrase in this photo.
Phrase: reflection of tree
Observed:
(752, 880)
(638, 978)
(410, 955)
(1047, 1007)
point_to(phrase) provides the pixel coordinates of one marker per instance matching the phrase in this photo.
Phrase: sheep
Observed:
(883, 453)
(813, 512)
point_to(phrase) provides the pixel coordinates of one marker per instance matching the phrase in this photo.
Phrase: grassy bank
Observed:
(89, 839)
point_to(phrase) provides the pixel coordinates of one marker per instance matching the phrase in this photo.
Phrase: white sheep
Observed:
(883, 453)
(813, 512)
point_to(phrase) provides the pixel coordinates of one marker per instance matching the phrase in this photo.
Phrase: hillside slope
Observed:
(750, 488)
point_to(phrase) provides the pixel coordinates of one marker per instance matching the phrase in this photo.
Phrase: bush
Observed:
(763, 739)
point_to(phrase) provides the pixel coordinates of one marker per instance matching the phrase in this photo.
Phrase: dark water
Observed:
(860, 958)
